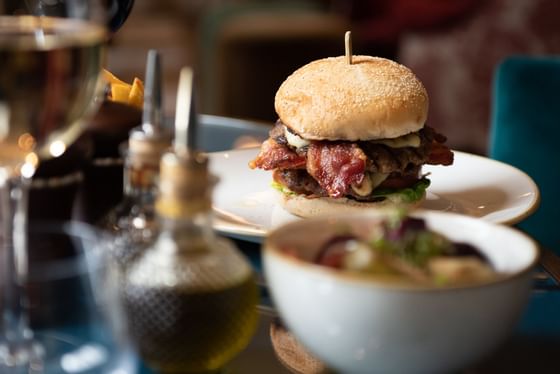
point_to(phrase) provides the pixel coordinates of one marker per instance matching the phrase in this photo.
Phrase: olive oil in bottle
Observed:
(190, 298)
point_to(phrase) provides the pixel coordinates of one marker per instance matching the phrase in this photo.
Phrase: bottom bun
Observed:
(302, 206)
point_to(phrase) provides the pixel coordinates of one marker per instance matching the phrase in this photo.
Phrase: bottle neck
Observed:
(188, 233)
(184, 201)
(140, 179)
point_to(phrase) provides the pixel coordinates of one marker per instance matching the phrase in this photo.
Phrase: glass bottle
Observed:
(133, 219)
(190, 298)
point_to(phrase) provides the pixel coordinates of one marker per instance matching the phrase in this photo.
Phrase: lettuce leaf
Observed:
(406, 195)
(397, 195)
(282, 188)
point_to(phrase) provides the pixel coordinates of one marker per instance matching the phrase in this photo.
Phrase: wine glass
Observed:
(118, 12)
(51, 54)
(73, 320)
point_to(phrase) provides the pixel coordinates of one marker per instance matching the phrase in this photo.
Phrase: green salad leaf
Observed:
(420, 248)
(397, 195)
(281, 188)
(405, 195)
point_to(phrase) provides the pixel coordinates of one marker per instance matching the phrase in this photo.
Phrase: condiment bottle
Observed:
(190, 299)
(133, 219)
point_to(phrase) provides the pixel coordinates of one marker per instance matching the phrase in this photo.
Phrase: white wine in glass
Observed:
(49, 75)
(51, 56)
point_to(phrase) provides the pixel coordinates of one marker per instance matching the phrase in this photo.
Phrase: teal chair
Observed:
(525, 132)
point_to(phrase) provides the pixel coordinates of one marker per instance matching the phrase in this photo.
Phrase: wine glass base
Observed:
(53, 352)
(27, 357)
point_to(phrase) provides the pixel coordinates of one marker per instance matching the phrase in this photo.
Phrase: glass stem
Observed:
(17, 346)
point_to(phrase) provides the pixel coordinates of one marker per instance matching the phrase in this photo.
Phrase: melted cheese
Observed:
(295, 140)
(408, 140)
(371, 180)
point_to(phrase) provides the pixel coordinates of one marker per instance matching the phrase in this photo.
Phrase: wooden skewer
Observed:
(348, 46)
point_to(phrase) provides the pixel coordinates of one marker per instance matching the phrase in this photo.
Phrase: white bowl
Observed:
(357, 324)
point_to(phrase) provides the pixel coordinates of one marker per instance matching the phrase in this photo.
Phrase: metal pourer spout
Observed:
(186, 123)
(152, 138)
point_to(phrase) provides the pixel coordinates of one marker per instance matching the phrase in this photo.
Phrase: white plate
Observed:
(245, 204)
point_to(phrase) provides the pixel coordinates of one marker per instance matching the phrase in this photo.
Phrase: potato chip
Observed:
(120, 93)
(136, 95)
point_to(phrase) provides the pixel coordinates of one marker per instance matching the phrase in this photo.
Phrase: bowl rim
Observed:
(373, 281)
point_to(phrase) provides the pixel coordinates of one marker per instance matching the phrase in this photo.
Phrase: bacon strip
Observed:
(439, 154)
(330, 168)
(336, 165)
(277, 156)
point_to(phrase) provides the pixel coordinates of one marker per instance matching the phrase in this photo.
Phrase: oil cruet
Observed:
(190, 298)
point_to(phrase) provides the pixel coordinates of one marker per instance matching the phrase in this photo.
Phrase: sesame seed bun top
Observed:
(372, 98)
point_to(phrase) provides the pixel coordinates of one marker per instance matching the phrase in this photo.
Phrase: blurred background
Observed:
(243, 49)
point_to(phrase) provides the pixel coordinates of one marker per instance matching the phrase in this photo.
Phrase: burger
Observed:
(351, 136)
